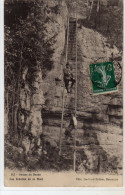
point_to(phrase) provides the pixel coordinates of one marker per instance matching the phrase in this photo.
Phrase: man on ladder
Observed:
(68, 77)
(72, 125)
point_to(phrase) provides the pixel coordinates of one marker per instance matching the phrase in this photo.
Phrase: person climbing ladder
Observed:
(68, 77)
(72, 125)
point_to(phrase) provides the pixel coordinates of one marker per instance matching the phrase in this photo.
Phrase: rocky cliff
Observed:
(99, 134)
(99, 121)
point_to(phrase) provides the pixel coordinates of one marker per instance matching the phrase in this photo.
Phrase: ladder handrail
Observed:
(74, 159)
(60, 144)
(76, 74)
(67, 40)
(63, 93)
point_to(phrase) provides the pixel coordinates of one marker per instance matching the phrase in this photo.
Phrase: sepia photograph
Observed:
(63, 93)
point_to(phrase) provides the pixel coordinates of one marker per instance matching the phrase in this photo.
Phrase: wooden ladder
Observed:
(71, 56)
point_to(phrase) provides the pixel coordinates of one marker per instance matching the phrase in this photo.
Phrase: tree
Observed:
(25, 46)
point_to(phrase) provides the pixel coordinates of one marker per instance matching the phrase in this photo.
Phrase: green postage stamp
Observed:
(103, 78)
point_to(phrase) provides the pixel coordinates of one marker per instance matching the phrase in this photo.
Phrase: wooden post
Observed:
(67, 40)
(61, 128)
(74, 155)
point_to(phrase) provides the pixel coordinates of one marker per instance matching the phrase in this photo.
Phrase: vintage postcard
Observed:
(63, 97)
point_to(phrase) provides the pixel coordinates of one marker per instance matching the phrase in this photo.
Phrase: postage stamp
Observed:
(103, 77)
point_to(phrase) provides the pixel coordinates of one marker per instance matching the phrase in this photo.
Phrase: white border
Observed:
(44, 191)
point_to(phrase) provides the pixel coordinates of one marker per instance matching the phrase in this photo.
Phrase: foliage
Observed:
(24, 41)
(25, 46)
(108, 21)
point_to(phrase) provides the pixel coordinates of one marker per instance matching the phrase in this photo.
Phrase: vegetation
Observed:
(106, 19)
(25, 47)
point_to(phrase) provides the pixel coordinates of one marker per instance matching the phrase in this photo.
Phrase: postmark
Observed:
(103, 77)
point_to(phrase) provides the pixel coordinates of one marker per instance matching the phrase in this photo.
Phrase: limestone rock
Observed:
(36, 121)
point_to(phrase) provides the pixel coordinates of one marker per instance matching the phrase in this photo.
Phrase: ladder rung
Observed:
(72, 20)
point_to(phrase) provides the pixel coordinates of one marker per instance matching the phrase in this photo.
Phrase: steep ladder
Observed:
(71, 57)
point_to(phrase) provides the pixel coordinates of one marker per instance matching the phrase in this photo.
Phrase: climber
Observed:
(72, 125)
(68, 76)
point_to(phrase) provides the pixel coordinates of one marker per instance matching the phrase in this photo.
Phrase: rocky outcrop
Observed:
(96, 130)
(56, 27)
(31, 102)
(32, 94)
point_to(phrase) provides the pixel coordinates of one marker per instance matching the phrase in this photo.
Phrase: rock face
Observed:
(31, 102)
(99, 117)
(99, 132)
(41, 92)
